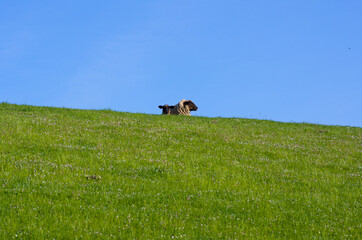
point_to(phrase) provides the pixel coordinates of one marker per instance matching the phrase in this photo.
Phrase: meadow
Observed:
(101, 174)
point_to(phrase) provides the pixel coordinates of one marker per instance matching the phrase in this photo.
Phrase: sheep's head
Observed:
(166, 109)
(190, 105)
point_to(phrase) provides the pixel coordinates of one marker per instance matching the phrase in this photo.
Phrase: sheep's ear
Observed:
(187, 102)
(160, 106)
(171, 107)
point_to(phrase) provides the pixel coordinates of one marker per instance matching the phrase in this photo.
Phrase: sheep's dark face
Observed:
(166, 109)
(190, 105)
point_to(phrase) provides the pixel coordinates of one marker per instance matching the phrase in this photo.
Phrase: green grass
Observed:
(84, 174)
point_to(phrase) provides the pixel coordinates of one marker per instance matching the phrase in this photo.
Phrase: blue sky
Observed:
(293, 61)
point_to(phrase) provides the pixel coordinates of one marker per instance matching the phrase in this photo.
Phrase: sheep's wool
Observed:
(179, 109)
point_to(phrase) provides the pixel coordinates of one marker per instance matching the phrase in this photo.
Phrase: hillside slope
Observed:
(67, 173)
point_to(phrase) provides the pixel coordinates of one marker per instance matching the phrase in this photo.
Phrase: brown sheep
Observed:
(184, 107)
(166, 109)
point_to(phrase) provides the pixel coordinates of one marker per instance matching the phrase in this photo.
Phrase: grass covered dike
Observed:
(86, 174)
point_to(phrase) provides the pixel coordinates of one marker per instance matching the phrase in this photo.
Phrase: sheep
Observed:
(184, 107)
(166, 109)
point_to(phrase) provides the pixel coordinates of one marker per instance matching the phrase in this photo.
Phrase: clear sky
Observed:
(283, 60)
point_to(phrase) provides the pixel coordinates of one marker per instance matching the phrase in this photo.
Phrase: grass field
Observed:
(84, 174)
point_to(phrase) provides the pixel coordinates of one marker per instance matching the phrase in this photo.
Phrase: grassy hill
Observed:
(79, 174)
